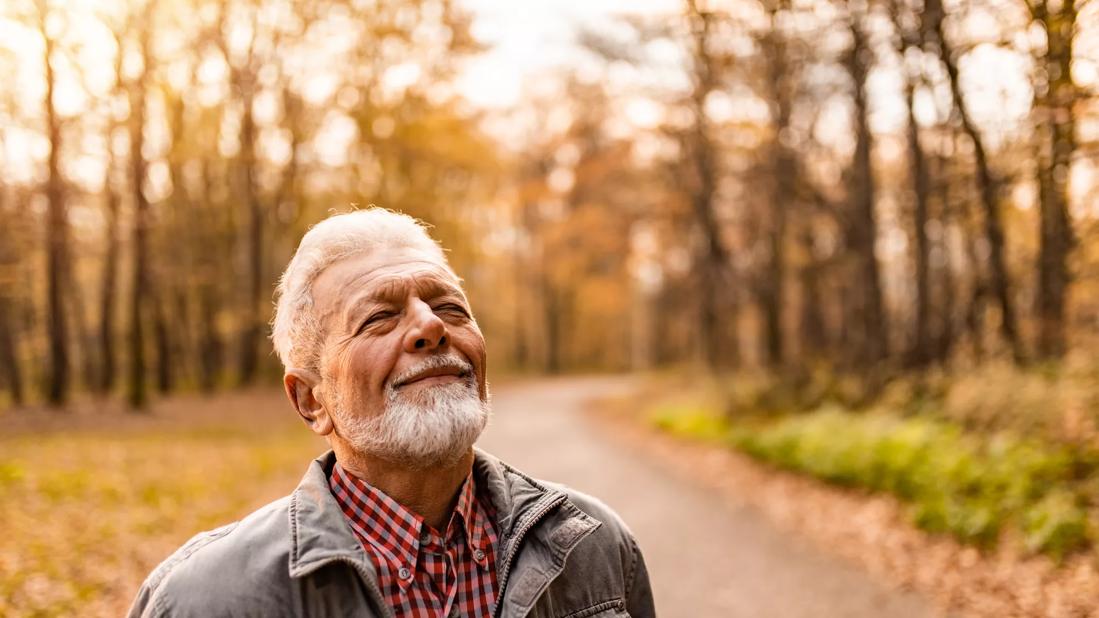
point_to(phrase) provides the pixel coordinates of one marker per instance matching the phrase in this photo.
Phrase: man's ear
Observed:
(301, 387)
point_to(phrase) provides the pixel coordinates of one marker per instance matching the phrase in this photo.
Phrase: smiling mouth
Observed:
(434, 375)
(442, 378)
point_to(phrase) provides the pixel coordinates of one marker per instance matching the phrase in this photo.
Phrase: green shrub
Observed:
(1056, 524)
(691, 421)
(957, 483)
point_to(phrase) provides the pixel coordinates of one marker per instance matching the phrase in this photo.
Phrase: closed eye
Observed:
(452, 308)
(374, 318)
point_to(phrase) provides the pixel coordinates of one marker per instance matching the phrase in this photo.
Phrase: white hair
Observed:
(295, 329)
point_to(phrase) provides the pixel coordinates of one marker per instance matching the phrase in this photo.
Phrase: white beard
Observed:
(433, 426)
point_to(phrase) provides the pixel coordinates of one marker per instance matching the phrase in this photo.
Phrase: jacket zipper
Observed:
(519, 534)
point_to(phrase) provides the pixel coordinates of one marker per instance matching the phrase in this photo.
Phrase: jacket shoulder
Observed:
(612, 540)
(611, 530)
(222, 569)
(610, 554)
(596, 509)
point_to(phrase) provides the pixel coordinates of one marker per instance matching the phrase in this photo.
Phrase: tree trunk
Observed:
(986, 182)
(57, 233)
(11, 374)
(974, 317)
(9, 355)
(108, 290)
(553, 315)
(137, 394)
(86, 340)
(1057, 128)
(165, 377)
(252, 327)
(811, 323)
(944, 334)
(10, 371)
(920, 351)
(979, 289)
(179, 237)
(783, 168)
(530, 261)
(108, 286)
(868, 320)
(711, 254)
(211, 346)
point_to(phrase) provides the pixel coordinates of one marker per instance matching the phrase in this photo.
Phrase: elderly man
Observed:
(403, 517)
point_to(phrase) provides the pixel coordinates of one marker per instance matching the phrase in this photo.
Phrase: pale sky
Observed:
(528, 36)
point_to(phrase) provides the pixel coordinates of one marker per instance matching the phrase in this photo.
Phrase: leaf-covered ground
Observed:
(91, 500)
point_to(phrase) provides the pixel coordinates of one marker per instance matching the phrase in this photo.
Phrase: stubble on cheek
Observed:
(480, 364)
(363, 375)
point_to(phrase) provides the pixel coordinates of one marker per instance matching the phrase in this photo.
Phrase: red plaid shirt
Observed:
(422, 573)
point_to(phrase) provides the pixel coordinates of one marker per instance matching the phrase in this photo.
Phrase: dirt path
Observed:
(706, 557)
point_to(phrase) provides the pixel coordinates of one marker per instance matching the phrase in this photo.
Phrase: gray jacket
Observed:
(561, 554)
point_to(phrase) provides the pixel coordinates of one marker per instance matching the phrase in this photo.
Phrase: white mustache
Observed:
(432, 362)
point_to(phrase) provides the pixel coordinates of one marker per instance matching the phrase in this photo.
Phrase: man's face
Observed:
(403, 361)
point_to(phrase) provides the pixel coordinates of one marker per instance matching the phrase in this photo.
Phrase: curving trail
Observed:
(705, 556)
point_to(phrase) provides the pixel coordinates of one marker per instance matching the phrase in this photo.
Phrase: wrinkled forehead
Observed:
(396, 284)
(385, 275)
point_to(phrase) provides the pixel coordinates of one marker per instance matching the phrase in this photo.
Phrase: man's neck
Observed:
(428, 492)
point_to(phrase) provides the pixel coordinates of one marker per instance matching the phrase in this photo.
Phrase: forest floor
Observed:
(92, 499)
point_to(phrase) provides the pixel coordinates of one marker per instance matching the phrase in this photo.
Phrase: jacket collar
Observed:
(319, 533)
(523, 507)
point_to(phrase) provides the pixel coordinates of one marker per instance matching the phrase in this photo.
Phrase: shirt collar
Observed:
(395, 532)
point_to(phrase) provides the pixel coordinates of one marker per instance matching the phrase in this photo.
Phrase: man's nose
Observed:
(426, 331)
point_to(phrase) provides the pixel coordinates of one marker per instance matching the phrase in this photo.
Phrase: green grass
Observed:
(970, 486)
(689, 421)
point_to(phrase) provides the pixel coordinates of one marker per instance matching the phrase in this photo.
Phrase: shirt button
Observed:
(404, 573)
(478, 555)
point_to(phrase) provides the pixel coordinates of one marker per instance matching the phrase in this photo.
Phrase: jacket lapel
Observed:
(318, 530)
(539, 529)
(320, 535)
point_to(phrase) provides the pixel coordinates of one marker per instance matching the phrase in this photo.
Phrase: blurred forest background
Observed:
(860, 188)
(873, 223)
